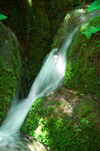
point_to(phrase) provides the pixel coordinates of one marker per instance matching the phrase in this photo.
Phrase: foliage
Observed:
(94, 6)
(2, 17)
(90, 30)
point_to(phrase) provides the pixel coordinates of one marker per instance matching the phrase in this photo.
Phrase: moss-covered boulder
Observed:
(65, 121)
(10, 64)
(83, 57)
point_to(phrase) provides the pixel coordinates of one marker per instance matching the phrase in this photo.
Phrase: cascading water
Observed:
(50, 77)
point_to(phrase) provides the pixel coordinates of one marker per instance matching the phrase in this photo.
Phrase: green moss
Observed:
(9, 69)
(57, 42)
(39, 43)
(95, 21)
(84, 27)
(61, 33)
(82, 71)
(60, 133)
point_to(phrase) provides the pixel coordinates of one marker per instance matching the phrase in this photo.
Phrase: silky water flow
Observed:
(50, 77)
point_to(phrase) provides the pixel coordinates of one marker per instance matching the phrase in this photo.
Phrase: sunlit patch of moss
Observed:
(55, 129)
(30, 2)
(67, 17)
(84, 27)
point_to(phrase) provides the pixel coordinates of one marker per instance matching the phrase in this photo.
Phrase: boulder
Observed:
(10, 65)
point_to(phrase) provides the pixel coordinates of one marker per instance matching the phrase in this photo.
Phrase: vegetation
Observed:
(2, 17)
(50, 123)
(94, 6)
(62, 124)
(90, 30)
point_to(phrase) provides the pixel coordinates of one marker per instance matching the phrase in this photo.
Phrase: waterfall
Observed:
(50, 77)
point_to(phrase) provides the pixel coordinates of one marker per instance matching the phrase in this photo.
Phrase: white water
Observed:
(49, 78)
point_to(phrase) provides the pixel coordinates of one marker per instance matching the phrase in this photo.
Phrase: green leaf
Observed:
(94, 6)
(82, 94)
(2, 16)
(89, 31)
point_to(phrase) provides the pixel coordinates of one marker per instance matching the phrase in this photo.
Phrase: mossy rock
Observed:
(82, 70)
(10, 64)
(65, 121)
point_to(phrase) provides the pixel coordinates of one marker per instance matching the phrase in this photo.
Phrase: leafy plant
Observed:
(94, 6)
(90, 30)
(2, 17)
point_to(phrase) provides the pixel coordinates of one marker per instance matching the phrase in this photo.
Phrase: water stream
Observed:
(50, 77)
